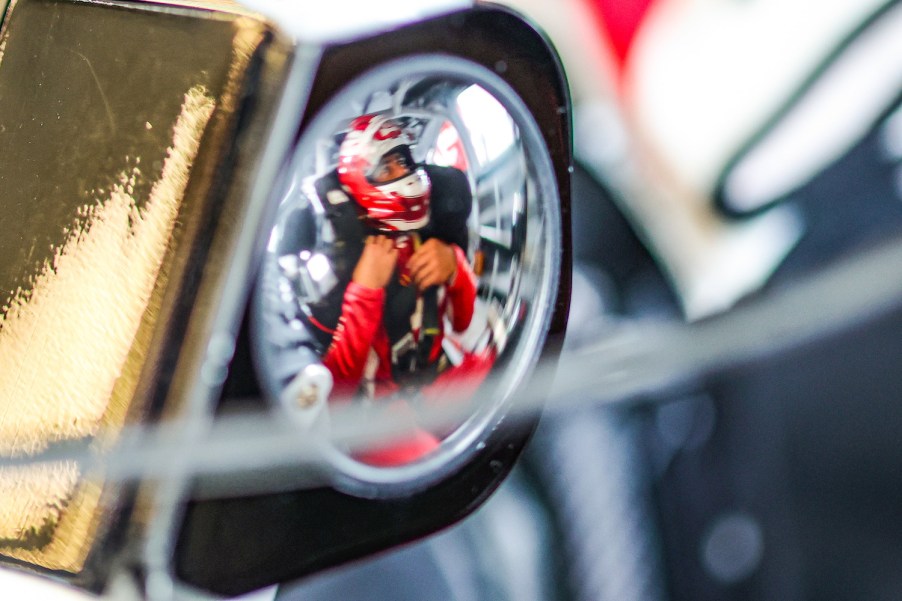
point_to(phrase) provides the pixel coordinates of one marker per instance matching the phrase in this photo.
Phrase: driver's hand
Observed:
(433, 264)
(377, 262)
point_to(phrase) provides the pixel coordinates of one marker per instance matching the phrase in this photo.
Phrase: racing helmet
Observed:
(397, 205)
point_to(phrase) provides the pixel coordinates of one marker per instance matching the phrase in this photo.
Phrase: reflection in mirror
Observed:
(409, 246)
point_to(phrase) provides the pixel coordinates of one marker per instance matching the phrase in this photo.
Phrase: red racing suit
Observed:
(359, 348)
(360, 339)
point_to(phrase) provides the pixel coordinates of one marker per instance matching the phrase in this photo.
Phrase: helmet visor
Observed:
(392, 166)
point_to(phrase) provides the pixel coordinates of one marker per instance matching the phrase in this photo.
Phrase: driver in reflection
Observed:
(400, 232)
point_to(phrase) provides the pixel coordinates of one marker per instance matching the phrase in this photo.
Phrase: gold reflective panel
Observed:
(109, 116)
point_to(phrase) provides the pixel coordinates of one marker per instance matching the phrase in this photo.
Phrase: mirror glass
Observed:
(412, 266)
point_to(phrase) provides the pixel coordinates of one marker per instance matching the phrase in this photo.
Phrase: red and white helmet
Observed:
(397, 205)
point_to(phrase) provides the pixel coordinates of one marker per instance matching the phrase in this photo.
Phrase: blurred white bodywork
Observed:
(340, 20)
(701, 80)
(705, 76)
